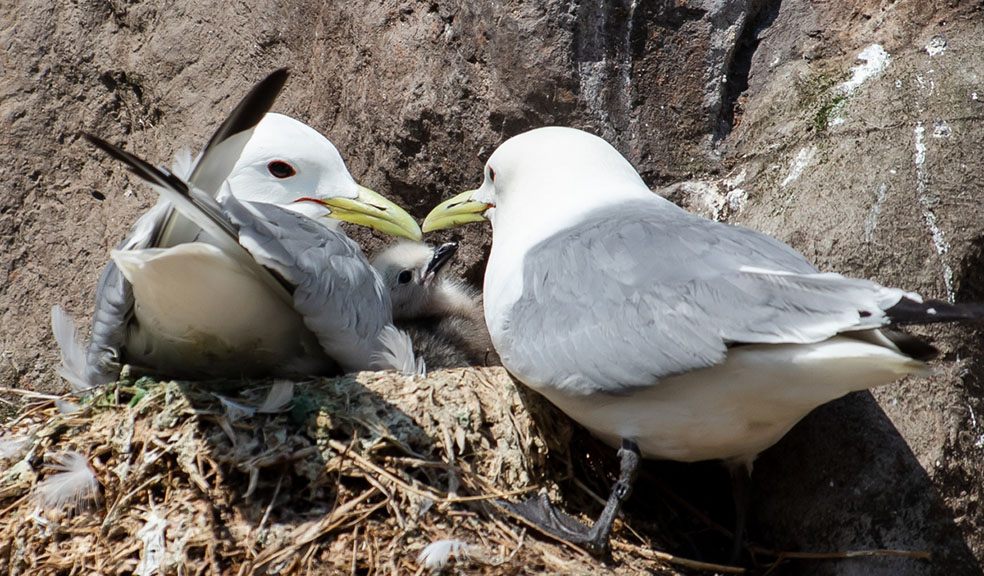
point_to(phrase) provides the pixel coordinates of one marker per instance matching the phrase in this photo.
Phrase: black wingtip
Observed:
(110, 149)
(252, 107)
(909, 311)
(137, 165)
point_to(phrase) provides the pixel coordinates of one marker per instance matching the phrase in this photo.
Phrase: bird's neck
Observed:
(456, 299)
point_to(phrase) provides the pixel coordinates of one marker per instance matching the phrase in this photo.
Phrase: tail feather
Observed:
(909, 311)
(910, 345)
(73, 354)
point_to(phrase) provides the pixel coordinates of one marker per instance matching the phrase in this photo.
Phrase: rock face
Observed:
(851, 130)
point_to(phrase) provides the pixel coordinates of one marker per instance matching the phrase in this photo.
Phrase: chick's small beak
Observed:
(373, 210)
(442, 255)
(455, 211)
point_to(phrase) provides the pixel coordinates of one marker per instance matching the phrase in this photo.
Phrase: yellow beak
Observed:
(455, 211)
(371, 209)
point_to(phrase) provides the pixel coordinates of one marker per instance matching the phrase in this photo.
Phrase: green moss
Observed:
(813, 89)
(817, 96)
(828, 108)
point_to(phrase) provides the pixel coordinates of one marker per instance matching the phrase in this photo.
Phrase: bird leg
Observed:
(540, 513)
(740, 479)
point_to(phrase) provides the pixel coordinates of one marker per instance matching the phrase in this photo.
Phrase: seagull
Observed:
(441, 315)
(667, 335)
(182, 297)
(321, 271)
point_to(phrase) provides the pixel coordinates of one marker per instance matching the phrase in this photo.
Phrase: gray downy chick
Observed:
(442, 315)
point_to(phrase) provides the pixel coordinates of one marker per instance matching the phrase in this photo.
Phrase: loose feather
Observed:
(71, 484)
(66, 407)
(13, 448)
(235, 411)
(73, 354)
(437, 554)
(278, 398)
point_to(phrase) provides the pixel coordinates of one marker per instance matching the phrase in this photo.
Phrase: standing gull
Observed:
(663, 333)
(181, 297)
(441, 315)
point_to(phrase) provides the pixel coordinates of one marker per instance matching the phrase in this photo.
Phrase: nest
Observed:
(356, 475)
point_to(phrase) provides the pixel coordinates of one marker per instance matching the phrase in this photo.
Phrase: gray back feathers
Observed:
(666, 292)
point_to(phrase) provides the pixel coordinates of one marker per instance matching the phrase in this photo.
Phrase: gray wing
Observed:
(646, 290)
(338, 294)
(114, 303)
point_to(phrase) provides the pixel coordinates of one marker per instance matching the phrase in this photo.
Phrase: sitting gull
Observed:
(666, 334)
(183, 298)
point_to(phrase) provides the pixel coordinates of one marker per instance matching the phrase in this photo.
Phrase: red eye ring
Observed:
(281, 169)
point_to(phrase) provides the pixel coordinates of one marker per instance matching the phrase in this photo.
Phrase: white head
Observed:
(286, 161)
(539, 181)
(413, 274)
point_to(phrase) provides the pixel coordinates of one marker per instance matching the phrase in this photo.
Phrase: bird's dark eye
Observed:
(404, 277)
(491, 174)
(281, 169)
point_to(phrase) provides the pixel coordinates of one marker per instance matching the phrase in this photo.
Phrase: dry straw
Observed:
(372, 474)
(345, 476)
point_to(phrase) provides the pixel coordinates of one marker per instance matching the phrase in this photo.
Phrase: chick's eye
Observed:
(281, 169)
(404, 277)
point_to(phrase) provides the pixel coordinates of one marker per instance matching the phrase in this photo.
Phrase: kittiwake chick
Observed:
(441, 314)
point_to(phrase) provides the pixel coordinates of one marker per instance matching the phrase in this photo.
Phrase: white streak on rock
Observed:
(875, 59)
(936, 46)
(736, 199)
(152, 536)
(871, 222)
(800, 162)
(928, 202)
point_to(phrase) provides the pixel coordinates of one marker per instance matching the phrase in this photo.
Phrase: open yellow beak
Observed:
(455, 211)
(371, 209)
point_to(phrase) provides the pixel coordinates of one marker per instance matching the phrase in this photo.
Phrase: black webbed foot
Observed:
(595, 539)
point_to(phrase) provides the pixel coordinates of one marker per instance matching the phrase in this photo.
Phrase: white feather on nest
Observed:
(71, 483)
(13, 447)
(437, 554)
(278, 398)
